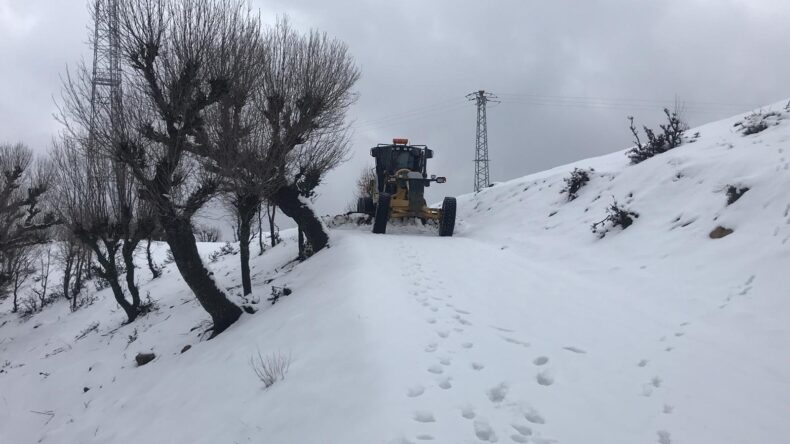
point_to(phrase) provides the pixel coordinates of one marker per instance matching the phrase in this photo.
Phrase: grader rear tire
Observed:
(365, 205)
(382, 214)
(447, 221)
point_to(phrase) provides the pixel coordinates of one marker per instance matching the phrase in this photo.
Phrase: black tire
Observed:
(365, 205)
(382, 214)
(447, 221)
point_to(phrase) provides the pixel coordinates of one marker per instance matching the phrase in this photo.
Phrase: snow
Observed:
(524, 327)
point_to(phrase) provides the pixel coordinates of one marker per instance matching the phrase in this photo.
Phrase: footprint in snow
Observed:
(483, 431)
(436, 369)
(477, 366)
(506, 330)
(463, 312)
(534, 416)
(430, 348)
(445, 384)
(425, 437)
(443, 333)
(663, 437)
(522, 429)
(642, 363)
(519, 438)
(468, 412)
(540, 360)
(431, 320)
(515, 341)
(497, 393)
(413, 392)
(668, 409)
(545, 378)
(467, 345)
(424, 416)
(445, 361)
(575, 350)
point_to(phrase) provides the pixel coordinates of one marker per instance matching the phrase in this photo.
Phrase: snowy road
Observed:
(480, 344)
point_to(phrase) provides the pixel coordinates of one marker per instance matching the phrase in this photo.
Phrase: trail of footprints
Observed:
(440, 372)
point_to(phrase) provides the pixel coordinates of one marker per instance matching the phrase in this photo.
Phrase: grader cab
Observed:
(398, 191)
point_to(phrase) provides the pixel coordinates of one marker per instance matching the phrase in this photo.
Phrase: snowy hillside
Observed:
(524, 327)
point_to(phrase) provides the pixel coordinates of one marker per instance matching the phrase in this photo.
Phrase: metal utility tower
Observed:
(106, 81)
(482, 177)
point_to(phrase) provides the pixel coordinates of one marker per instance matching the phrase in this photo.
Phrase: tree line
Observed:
(212, 103)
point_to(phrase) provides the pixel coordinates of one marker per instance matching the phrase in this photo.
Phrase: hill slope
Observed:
(524, 327)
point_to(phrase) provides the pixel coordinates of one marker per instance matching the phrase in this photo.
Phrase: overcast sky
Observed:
(568, 72)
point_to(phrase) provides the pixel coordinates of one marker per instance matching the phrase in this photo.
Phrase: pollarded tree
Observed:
(23, 221)
(305, 92)
(179, 56)
(96, 200)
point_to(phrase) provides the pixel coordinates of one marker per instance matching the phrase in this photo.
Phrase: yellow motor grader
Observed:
(398, 190)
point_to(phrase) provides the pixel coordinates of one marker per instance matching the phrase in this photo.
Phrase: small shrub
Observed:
(271, 368)
(615, 217)
(225, 250)
(757, 122)
(29, 306)
(671, 136)
(734, 193)
(277, 293)
(575, 182)
(205, 233)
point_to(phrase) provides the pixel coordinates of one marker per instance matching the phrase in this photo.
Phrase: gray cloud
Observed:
(568, 72)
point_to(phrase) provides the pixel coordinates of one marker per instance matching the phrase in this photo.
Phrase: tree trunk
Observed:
(287, 198)
(155, 271)
(77, 288)
(260, 230)
(67, 267)
(245, 207)
(271, 211)
(127, 251)
(182, 243)
(109, 272)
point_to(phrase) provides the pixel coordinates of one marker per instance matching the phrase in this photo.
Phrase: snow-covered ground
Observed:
(524, 327)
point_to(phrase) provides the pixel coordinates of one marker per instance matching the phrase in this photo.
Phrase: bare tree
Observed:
(17, 268)
(74, 258)
(304, 96)
(365, 183)
(181, 59)
(42, 279)
(23, 221)
(95, 197)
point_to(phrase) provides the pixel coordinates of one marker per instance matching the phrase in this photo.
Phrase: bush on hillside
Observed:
(271, 368)
(225, 250)
(616, 216)
(757, 122)
(671, 136)
(575, 182)
(734, 193)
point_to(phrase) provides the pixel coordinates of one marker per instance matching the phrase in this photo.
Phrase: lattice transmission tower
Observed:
(482, 176)
(106, 93)
(106, 103)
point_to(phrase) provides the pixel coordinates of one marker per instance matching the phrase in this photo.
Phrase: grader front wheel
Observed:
(447, 221)
(382, 214)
